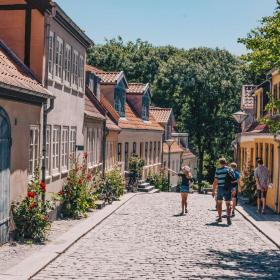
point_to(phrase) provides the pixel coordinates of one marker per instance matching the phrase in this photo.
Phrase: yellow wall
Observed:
(267, 149)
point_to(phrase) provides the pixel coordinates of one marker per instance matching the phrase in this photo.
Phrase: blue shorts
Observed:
(223, 194)
(184, 189)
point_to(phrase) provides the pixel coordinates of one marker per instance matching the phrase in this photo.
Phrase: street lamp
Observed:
(169, 143)
(239, 117)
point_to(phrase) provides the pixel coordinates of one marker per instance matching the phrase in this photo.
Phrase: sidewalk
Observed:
(36, 259)
(268, 224)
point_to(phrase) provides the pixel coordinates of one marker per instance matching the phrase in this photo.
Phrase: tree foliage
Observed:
(263, 44)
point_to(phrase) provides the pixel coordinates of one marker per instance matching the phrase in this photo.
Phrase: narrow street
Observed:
(145, 239)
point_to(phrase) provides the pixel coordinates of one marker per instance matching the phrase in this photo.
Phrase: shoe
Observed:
(228, 221)
(182, 214)
(258, 211)
(233, 214)
(186, 211)
(219, 220)
(263, 212)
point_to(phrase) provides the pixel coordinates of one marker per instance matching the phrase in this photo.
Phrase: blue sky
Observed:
(182, 23)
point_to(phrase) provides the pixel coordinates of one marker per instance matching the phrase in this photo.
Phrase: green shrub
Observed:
(31, 214)
(136, 165)
(115, 179)
(79, 192)
(249, 188)
(159, 181)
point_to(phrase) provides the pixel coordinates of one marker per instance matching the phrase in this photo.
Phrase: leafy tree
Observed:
(203, 87)
(140, 60)
(263, 43)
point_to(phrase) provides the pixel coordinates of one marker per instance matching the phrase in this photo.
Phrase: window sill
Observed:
(55, 176)
(64, 172)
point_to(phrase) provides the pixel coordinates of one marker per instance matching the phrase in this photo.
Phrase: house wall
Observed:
(142, 136)
(136, 101)
(259, 146)
(22, 117)
(108, 92)
(111, 149)
(175, 160)
(12, 29)
(68, 108)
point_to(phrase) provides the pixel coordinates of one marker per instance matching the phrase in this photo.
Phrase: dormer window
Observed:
(145, 107)
(119, 100)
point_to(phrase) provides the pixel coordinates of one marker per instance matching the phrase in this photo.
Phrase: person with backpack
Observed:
(224, 178)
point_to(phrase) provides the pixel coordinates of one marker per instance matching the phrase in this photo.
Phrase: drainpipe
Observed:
(46, 110)
(105, 134)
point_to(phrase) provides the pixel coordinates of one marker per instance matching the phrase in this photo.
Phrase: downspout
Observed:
(276, 199)
(46, 109)
(105, 133)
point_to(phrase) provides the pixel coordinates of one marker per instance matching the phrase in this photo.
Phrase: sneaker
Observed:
(233, 214)
(228, 221)
(186, 211)
(219, 220)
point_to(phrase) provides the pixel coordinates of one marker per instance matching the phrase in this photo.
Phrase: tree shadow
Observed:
(247, 265)
(216, 224)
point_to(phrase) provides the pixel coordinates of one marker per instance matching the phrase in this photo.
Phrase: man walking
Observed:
(235, 187)
(224, 177)
(262, 181)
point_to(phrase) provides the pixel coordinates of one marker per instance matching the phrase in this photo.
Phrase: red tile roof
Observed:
(106, 77)
(188, 154)
(175, 148)
(131, 121)
(137, 88)
(161, 115)
(17, 76)
(106, 104)
(90, 108)
(111, 125)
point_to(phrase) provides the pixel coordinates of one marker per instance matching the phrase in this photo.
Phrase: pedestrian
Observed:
(261, 175)
(235, 187)
(187, 178)
(224, 177)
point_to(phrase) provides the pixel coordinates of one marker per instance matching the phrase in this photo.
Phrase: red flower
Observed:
(89, 177)
(33, 205)
(43, 186)
(46, 218)
(85, 155)
(61, 193)
(31, 194)
(80, 182)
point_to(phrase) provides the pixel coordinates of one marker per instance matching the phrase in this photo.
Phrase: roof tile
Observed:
(14, 74)
(161, 115)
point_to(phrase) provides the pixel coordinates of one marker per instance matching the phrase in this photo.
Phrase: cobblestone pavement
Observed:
(146, 240)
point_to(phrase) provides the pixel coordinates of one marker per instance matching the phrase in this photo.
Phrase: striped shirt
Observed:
(221, 174)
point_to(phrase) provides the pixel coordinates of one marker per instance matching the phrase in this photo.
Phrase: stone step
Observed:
(100, 204)
(141, 182)
(143, 185)
(146, 189)
(154, 191)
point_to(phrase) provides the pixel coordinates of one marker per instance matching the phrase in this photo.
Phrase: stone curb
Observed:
(268, 231)
(32, 265)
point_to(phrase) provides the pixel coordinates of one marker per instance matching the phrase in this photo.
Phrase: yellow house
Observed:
(256, 141)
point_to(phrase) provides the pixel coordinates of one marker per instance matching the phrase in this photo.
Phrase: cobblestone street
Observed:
(145, 239)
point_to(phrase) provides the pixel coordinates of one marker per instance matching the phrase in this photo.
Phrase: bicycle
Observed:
(133, 181)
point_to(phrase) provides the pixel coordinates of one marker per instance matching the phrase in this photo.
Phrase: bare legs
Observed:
(184, 197)
(219, 208)
(261, 201)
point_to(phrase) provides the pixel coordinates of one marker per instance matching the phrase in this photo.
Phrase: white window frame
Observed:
(51, 55)
(90, 145)
(81, 73)
(58, 59)
(72, 143)
(34, 149)
(65, 148)
(48, 150)
(67, 76)
(75, 69)
(56, 149)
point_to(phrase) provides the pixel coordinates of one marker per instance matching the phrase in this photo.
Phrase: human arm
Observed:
(215, 185)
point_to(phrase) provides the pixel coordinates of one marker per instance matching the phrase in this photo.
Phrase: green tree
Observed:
(140, 60)
(203, 86)
(263, 44)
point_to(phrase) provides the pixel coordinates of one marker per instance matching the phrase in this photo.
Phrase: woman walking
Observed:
(186, 177)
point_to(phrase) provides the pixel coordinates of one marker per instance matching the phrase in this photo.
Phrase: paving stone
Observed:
(145, 239)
